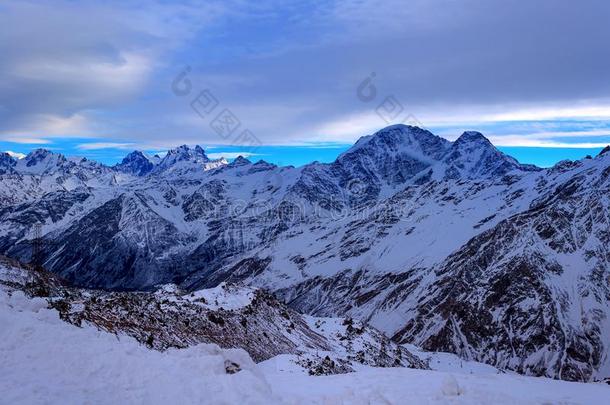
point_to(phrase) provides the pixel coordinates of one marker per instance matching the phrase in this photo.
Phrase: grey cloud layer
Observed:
(288, 69)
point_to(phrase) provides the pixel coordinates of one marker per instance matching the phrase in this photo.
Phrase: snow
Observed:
(15, 155)
(402, 385)
(44, 360)
(228, 297)
(411, 243)
(449, 362)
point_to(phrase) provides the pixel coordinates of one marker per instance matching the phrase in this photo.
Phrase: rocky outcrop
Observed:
(230, 316)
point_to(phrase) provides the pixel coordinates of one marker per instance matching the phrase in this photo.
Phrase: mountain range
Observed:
(451, 246)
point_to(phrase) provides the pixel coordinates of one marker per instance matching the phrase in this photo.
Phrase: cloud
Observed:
(230, 155)
(532, 142)
(290, 70)
(104, 145)
(25, 140)
(66, 64)
(63, 60)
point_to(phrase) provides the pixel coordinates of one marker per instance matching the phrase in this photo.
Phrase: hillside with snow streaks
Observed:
(452, 246)
(230, 316)
(45, 360)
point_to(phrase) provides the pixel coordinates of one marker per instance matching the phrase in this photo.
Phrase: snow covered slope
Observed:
(47, 361)
(228, 315)
(453, 246)
(44, 360)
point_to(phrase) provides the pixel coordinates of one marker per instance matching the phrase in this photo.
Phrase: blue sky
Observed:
(304, 79)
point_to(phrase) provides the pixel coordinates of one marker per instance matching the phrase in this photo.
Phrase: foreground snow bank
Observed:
(45, 360)
(412, 386)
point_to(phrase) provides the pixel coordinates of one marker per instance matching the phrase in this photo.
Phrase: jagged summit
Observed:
(391, 156)
(184, 152)
(39, 155)
(473, 156)
(398, 153)
(7, 163)
(604, 151)
(136, 163)
(402, 138)
(42, 161)
(472, 137)
(182, 159)
(240, 161)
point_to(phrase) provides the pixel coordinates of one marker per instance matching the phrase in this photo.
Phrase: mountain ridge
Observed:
(388, 138)
(387, 233)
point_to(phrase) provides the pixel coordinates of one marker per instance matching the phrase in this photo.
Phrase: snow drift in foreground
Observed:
(45, 360)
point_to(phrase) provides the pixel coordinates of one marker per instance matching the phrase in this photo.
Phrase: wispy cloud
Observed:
(105, 145)
(102, 70)
(25, 140)
(230, 155)
(527, 142)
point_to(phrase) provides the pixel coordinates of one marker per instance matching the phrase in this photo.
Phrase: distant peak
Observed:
(262, 162)
(137, 163)
(604, 151)
(185, 157)
(185, 150)
(404, 129)
(7, 162)
(240, 161)
(15, 155)
(6, 156)
(402, 139)
(473, 136)
(38, 153)
(179, 149)
(136, 154)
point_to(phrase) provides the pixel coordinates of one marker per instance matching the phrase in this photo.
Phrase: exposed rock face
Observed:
(136, 163)
(450, 245)
(472, 156)
(7, 163)
(228, 315)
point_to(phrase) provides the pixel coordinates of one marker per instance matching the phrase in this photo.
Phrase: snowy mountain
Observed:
(452, 246)
(7, 163)
(137, 163)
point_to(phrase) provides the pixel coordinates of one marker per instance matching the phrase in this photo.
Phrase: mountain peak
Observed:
(41, 161)
(604, 151)
(7, 163)
(38, 154)
(184, 158)
(391, 156)
(400, 138)
(472, 137)
(472, 155)
(184, 152)
(136, 163)
(240, 161)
